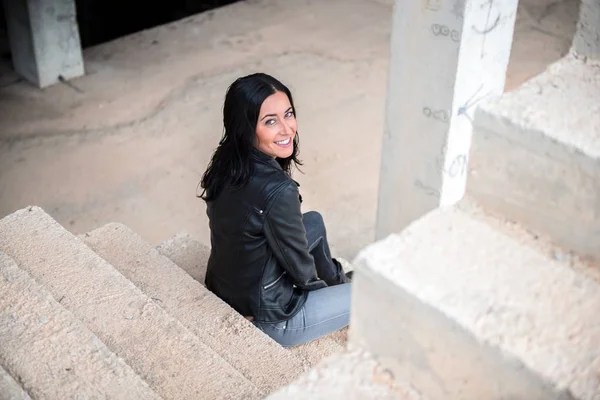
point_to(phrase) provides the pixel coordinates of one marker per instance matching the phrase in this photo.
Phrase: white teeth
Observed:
(283, 142)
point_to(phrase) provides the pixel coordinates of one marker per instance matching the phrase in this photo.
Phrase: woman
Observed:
(268, 261)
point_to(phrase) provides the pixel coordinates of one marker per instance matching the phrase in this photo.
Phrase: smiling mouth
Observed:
(284, 142)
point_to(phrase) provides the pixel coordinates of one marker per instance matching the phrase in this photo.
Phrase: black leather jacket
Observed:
(259, 262)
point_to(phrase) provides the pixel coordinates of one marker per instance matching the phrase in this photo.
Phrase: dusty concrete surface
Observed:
(187, 253)
(497, 304)
(10, 389)
(51, 352)
(352, 375)
(129, 141)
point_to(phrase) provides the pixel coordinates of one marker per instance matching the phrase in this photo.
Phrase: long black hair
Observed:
(231, 163)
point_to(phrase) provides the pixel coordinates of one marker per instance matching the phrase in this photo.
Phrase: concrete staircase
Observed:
(106, 315)
(476, 311)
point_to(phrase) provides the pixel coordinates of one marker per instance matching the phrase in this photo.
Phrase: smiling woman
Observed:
(269, 261)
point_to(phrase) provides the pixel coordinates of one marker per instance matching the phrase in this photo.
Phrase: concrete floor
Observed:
(129, 141)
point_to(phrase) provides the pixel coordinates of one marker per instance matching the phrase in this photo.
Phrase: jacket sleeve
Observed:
(286, 236)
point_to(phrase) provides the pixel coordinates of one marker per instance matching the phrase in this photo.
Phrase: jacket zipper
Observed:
(276, 280)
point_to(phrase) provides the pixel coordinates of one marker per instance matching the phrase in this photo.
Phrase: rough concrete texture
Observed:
(10, 389)
(536, 155)
(313, 352)
(539, 242)
(352, 375)
(187, 253)
(131, 144)
(54, 355)
(587, 39)
(247, 349)
(192, 257)
(477, 313)
(44, 40)
(174, 362)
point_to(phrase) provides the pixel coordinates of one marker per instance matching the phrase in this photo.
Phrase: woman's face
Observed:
(276, 126)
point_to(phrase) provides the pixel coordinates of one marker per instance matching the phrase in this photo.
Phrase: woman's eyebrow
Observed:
(274, 115)
(268, 115)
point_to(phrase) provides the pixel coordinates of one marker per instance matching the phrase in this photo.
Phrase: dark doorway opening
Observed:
(104, 20)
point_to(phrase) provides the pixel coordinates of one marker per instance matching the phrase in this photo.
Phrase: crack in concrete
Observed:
(169, 100)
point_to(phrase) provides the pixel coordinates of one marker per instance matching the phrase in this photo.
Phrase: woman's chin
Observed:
(285, 153)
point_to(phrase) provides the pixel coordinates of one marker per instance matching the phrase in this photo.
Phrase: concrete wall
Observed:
(587, 39)
(446, 57)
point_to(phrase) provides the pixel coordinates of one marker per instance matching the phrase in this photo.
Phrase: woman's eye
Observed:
(289, 114)
(270, 122)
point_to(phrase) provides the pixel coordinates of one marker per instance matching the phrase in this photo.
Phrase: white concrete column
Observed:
(447, 56)
(587, 39)
(44, 40)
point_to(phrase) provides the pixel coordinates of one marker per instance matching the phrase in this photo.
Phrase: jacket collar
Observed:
(264, 158)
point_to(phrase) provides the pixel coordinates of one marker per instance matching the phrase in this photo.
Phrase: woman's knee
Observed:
(313, 222)
(313, 218)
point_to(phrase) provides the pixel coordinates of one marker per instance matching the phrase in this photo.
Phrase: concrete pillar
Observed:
(587, 39)
(44, 40)
(447, 56)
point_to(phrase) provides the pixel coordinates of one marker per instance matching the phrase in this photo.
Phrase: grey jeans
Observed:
(326, 310)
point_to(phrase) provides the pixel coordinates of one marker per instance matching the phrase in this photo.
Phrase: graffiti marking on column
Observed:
(472, 102)
(455, 36)
(433, 5)
(439, 160)
(427, 189)
(487, 28)
(458, 166)
(439, 115)
(443, 30)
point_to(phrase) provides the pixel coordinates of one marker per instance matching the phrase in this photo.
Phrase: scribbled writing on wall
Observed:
(427, 189)
(472, 102)
(489, 26)
(443, 30)
(432, 5)
(439, 115)
(457, 167)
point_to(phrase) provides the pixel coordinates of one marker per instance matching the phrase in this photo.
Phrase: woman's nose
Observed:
(287, 128)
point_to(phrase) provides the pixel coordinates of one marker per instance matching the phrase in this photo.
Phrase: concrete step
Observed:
(352, 375)
(535, 157)
(192, 257)
(462, 309)
(187, 253)
(254, 354)
(313, 352)
(53, 354)
(174, 362)
(10, 389)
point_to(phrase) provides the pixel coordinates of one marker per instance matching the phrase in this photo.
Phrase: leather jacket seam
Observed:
(288, 264)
